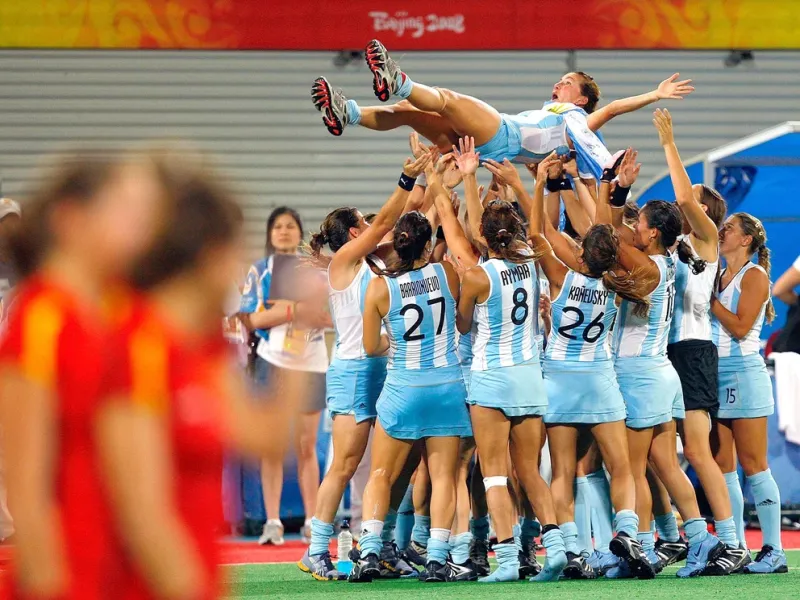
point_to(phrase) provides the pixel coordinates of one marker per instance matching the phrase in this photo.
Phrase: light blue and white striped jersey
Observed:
(508, 321)
(692, 317)
(726, 344)
(421, 322)
(648, 335)
(347, 308)
(582, 316)
(465, 341)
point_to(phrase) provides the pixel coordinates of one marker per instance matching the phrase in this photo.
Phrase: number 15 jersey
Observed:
(421, 322)
(582, 316)
(508, 321)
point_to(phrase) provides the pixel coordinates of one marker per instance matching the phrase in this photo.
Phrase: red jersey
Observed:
(57, 341)
(178, 378)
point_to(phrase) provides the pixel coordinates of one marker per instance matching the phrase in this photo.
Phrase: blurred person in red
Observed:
(175, 397)
(81, 231)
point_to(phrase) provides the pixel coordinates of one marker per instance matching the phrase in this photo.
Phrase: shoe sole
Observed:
(322, 96)
(575, 573)
(302, 567)
(641, 569)
(380, 85)
(781, 569)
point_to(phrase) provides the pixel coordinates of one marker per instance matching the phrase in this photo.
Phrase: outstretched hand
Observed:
(671, 89)
(417, 148)
(414, 168)
(629, 168)
(546, 165)
(505, 173)
(467, 160)
(663, 122)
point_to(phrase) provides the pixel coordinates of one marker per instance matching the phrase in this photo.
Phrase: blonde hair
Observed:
(753, 227)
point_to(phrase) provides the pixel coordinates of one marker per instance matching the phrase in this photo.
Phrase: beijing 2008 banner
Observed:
(401, 24)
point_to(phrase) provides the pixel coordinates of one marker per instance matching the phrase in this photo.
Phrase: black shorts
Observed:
(314, 402)
(697, 364)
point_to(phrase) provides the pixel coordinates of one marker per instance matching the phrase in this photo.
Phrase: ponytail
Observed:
(764, 263)
(317, 242)
(504, 233)
(631, 286)
(688, 257)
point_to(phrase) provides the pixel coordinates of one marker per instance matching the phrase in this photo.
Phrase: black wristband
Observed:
(440, 233)
(619, 196)
(566, 184)
(608, 175)
(406, 182)
(554, 185)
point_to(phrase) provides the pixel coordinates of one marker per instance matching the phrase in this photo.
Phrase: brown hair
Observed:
(715, 203)
(600, 250)
(630, 213)
(335, 230)
(74, 179)
(591, 90)
(411, 235)
(752, 226)
(504, 232)
(201, 214)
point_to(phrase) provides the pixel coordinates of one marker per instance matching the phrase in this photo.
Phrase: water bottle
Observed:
(345, 544)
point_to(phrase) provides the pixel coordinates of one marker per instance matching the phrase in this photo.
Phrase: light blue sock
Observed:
(569, 531)
(737, 503)
(405, 87)
(726, 532)
(556, 559)
(667, 527)
(421, 532)
(583, 514)
(370, 543)
(353, 113)
(647, 539)
(696, 530)
(405, 520)
(388, 526)
(530, 530)
(627, 522)
(768, 507)
(459, 548)
(516, 531)
(321, 533)
(480, 527)
(507, 564)
(602, 511)
(439, 545)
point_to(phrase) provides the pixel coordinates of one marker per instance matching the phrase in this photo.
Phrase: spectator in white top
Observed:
(788, 339)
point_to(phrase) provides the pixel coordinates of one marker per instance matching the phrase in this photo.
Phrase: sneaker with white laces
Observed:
(272, 533)
(578, 567)
(630, 550)
(671, 552)
(320, 567)
(731, 560)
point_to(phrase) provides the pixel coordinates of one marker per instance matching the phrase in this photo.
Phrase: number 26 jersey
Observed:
(508, 321)
(421, 322)
(582, 317)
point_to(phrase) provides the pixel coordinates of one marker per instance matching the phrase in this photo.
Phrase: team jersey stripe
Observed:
(42, 325)
(727, 345)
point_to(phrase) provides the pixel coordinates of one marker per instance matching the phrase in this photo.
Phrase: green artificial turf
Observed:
(286, 581)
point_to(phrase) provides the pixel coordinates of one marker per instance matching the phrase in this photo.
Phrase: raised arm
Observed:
(472, 283)
(467, 161)
(786, 284)
(669, 89)
(457, 241)
(578, 202)
(704, 230)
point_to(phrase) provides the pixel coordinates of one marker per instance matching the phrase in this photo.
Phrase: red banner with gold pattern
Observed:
(401, 25)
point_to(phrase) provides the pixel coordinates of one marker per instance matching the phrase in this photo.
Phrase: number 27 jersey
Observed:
(582, 316)
(421, 322)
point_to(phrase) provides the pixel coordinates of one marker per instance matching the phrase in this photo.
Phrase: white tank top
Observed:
(692, 317)
(347, 306)
(729, 298)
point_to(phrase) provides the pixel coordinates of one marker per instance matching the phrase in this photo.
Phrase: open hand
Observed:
(671, 89)
(629, 168)
(466, 158)
(663, 122)
(414, 167)
(505, 173)
(542, 171)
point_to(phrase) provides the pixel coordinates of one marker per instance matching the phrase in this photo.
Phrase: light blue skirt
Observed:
(518, 391)
(416, 404)
(582, 392)
(353, 386)
(745, 389)
(651, 389)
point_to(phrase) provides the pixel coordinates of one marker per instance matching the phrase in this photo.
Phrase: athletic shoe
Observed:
(578, 567)
(700, 555)
(306, 532)
(416, 555)
(528, 566)
(768, 560)
(320, 567)
(461, 572)
(364, 569)
(391, 565)
(386, 75)
(671, 552)
(479, 555)
(435, 572)
(601, 562)
(332, 103)
(630, 550)
(620, 571)
(272, 534)
(731, 560)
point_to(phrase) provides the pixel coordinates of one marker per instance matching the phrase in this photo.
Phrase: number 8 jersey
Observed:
(421, 322)
(582, 315)
(508, 321)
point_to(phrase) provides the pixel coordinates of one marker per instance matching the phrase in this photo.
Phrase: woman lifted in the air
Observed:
(569, 120)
